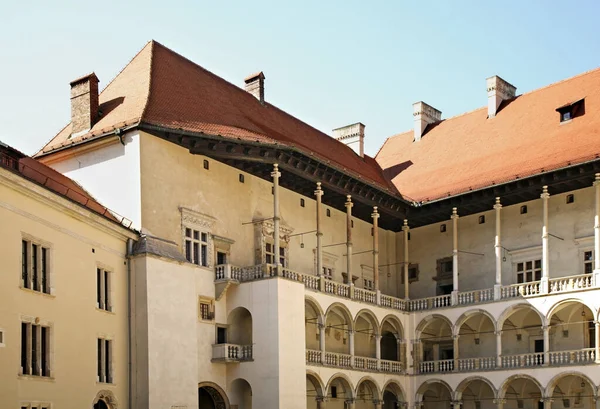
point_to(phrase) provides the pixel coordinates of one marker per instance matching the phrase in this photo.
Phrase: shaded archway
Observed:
(391, 337)
(476, 393)
(572, 390)
(313, 323)
(367, 393)
(521, 392)
(339, 390)
(105, 399)
(338, 323)
(101, 405)
(572, 330)
(477, 340)
(239, 330)
(393, 395)
(436, 344)
(241, 394)
(522, 333)
(434, 394)
(315, 390)
(211, 396)
(366, 330)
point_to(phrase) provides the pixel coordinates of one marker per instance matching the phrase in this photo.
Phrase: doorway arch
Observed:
(211, 396)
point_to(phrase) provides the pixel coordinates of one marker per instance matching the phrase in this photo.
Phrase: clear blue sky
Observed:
(330, 63)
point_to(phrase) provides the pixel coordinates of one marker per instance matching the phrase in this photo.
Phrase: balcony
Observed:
(227, 353)
(346, 361)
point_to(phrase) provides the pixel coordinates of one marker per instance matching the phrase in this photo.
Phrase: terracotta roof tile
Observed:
(470, 151)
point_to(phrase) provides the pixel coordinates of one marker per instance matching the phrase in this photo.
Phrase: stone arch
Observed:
(345, 380)
(514, 308)
(108, 397)
(338, 326)
(345, 312)
(507, 382)
(375, 388)
(469, 314)
(315, 306)
(425, 385)
(428, 319)
(366, 331)
(465, 383)
(317, 382)
(241, 393)
(393, 321)
(218, 395)
(563, 303)
(240, 326)
(371, 318)
(396, 389)
(549, 391)
(314, 322)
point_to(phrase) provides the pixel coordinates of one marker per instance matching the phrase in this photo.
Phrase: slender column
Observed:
(498, 348)
(377, 404)
(597, 342)
(498, 250)
(548, 403)
(375, 217)
(545, 254)
(500, 403)
(321, 402)
(319, 195)
(546, 330)
(275, 175)
(349, 404)
(410, 354)
(597, 233)
(349, 237)
(456, 357)
(406, 229)
(351, 342)
(454, 218)
(378, 350)
(322, 341)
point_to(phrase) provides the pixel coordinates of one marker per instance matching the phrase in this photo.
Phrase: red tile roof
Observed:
(470, 151)
(160, 87)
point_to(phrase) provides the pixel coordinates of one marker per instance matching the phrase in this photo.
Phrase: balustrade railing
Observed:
(361, 363)
(311, 281)
(521, 290)
(475, 296)
(232, 352)
(339, 360)
(523, 360)
(365, 295)
(570, 283)
(331, 287)
(393, 302)
(364, 363)
(390, 366)
(430, 303)
(476, 364)
(446, 365)
(575, 357)
(313, 356)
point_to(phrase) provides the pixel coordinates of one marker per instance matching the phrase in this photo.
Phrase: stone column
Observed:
(597, 232)
(500, 403)
(378, 350)
(322, 341)
(454, 218)
(547, 403)
(351, 345)
(321, 402)
(498, 251)
(456, 357)
(498, 348)
(349, 238)
(349, 404)
(545, 254)
(405, 265)
(546, 330)
(319, 195)
(377, 404)
(276, 175)
(375, 216)
(598, 342)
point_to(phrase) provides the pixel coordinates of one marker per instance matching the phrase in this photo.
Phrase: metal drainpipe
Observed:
(129, 320)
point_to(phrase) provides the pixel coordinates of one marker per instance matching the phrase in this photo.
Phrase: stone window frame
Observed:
(35, 405)
(222, 245)
(30, 320)
(329, 261)
(2, 340)
(110, 282)
(211, 308)
(414, 279)
(109, 379)
(204, 223)
(263, 234)
(49, 264)
(585, 244)
(367, 275)
(522, 256)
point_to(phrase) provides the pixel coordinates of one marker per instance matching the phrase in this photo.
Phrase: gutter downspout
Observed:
(129, 322)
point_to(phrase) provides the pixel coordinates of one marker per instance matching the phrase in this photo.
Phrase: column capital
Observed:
(375, 214)
(455, 336)
(545, 194)
(321, 399)
(405, 226)
(349, 201)
(319, 191)
(498, 332)
(499, 401)
(497, 205)
(597, 180)
(276, 172)
(545, 327)
(454, 213)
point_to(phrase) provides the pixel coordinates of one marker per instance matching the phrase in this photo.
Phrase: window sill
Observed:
(36, 378)
(106, 383)
(110, 312)
(29, 290)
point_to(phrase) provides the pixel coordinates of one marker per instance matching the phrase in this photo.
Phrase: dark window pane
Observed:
(268, 247)
(45, 270)
(34, 338)
(106, 291)
(100, 359)
(528, 265)
(107, 361)
(520, 267)
(204, 255)
(588, 268)
(204, 237)
(25, 260)
(188, 232)
(45, 348)
(520, 278)
(196, 235)
(196, 255)
(24, 348)
(587, 256)
(538, 263)
(99, 287)
(34, 267)
(188, 250)
(538, 275)
(529, 276)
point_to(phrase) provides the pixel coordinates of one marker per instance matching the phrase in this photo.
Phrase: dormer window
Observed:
(571, 110)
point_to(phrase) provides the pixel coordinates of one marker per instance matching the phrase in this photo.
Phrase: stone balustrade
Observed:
(477, 364)
(446, 365)
(576, 357)
(229, 272)
(338, 360)
(523, 360)
(361, 363)
(231, 353)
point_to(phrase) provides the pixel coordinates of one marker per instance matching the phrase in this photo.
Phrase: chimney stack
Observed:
(84, 104)
(255, 85)
(424, 115)
(498, 90)
(352, 136)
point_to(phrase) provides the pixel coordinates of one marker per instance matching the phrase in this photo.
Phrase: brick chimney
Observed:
(84, 104)
(353, 136)
(255, 84)
(498, 90)
(424, 115)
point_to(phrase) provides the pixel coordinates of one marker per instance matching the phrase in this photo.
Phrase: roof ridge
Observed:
(561, 81)
(152, 45)
(126, 65)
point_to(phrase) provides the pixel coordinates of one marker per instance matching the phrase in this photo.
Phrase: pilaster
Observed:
(276, 175)
(454, 217)
(406, 261)
(545, 251)
(498, 251)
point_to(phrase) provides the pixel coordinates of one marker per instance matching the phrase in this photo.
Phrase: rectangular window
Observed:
(368, 284)
(529, 271)
(328, 273)
(221, 335)
(103, 289)
(35, 347)
(35, 266)
(588, 262)
(270, 254)
(196, 247)
(104, 360)
(206, 310)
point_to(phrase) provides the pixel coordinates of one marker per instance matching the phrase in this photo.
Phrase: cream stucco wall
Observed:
(79, 242)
